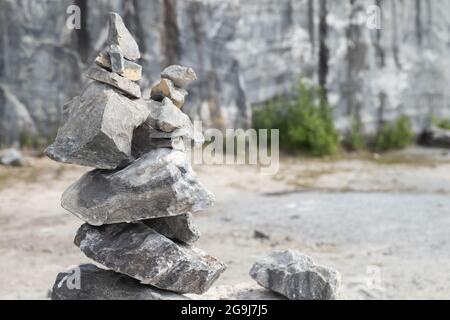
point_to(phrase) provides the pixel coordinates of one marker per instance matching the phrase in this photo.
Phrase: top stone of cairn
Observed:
(179, 75)
(119, 35)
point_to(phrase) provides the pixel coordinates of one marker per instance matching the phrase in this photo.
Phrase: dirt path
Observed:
(384, 222)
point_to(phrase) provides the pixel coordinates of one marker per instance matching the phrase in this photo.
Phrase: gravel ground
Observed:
(383, 222)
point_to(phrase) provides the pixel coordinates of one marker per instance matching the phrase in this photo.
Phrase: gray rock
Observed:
(144, 141)
(100, 284)
(119, 35)
(144, 254)
(115, 80)
(98, 129)
(165, 116)
(11, 157)
(160, 183)
(116, 58)
(179, 75)
(166, 126)
(296, 276)
(131, 70)
(180, 228)
(166, 89)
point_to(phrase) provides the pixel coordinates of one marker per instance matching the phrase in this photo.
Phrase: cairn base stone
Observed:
(144, 254)
(100, 284)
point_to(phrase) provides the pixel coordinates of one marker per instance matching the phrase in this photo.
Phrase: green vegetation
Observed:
(441, 123)
(28, 140)
(395, 135)
(355, 139)
(305, 122)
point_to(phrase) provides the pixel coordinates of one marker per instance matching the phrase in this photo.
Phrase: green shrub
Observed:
(442, 123)
(396, 135)
(305, 122)
(354, 138)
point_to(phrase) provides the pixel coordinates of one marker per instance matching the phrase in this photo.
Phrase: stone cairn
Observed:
(138, 201)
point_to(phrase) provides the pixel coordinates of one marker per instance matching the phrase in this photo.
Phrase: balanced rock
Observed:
(131, 70)
(179, 228)
(144, 141)
(146, 138)
(119, 35)
(179, 75)
(166, 116)
(296, 276)
(98, 128)
(166, 89)
(160, 183)
(100, 284)
(115, 80)
(117, 59)
(144, 254)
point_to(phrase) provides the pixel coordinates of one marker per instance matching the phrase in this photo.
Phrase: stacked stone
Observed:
(138, 201)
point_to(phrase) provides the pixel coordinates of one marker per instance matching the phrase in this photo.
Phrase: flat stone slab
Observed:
(131, 70)
(125, 85)
(98, 128)
(296, 276)
(180, 228)
(160, 183)
(144, 254)
(99, 284)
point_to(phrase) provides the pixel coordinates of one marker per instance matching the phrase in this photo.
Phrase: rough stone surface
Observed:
(166, 116)
(179, 75)
(100, 284)
(144, 254)
(180, 228)
(98, 129)
(115, 80)
(11, 157)
(166, 89)
(144, 141)
(160, 183)
(119, 35)
(131, 70)
(166, 126)
(296, 276)
(117, 59)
